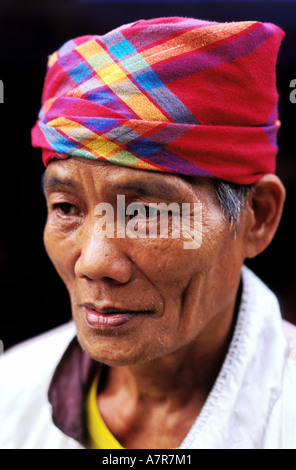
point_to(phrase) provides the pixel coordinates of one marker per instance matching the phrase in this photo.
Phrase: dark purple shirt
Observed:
(68, 391)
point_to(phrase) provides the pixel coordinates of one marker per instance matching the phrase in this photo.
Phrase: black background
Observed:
(33, 299)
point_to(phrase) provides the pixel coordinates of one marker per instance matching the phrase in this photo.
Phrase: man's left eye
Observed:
(147, 211)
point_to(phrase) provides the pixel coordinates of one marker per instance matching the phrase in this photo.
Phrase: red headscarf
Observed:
(178, 95)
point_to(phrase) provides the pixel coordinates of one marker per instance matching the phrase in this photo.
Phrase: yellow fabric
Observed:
(100, 436)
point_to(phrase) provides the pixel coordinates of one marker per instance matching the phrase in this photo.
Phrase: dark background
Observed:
(33, 298)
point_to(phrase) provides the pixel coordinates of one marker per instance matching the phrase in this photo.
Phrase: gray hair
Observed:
(231, 198)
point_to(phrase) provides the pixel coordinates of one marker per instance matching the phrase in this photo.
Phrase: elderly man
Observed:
(170, 347)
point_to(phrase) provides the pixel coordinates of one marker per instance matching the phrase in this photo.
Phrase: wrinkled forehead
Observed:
(77, 174)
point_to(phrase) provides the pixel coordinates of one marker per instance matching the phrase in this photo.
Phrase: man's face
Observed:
(139, 299)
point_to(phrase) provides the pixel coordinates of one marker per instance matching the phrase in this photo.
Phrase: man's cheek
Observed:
(61, 253)
(191, 232)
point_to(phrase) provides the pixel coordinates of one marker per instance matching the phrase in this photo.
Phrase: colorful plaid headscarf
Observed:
(177, 95)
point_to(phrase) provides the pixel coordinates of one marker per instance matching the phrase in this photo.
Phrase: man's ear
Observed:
(263, 213)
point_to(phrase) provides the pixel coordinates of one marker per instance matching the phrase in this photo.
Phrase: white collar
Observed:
(237, 409)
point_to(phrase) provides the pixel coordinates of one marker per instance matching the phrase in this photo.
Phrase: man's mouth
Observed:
(109, 317)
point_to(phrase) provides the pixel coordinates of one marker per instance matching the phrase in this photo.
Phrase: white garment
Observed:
(251, 406)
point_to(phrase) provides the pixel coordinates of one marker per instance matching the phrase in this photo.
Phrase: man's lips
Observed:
(109, 317)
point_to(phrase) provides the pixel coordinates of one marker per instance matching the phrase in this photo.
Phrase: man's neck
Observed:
(141, 403)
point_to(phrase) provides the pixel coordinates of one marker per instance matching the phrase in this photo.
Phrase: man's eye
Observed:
(65, 208)
(148, 212)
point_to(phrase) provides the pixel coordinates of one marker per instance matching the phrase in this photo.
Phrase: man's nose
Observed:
(102, 258)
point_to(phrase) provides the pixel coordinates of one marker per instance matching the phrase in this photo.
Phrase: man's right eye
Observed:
(66, 209)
